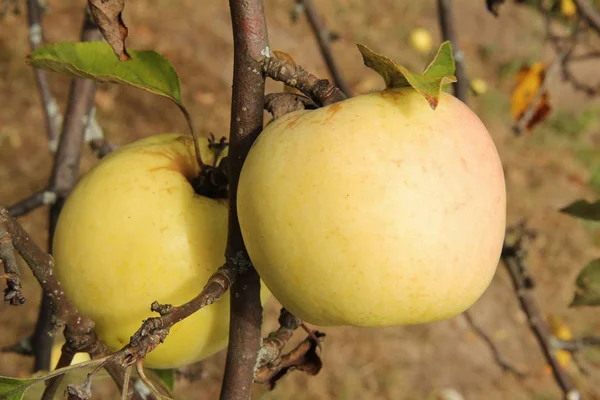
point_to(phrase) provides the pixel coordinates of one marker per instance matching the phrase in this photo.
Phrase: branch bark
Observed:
(446, 18)
(251, 45)
(64, 176)
(589, 12)
(513, 259)
(36, 38)
(323, 39)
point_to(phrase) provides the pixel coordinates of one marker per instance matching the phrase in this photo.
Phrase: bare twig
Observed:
(446, 18)
(251, 45)
(321, 91)
(324, 38)
(576, 344)
(589, 12)
(36, 200)
(12, 293)
(506, 367)
(23, 347)
(513, 259)
(51, 111)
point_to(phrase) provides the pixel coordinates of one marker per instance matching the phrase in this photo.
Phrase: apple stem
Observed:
(188, 118)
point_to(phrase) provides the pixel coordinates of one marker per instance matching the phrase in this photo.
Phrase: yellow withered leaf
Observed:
(568, 8)
(527, 84)
(561, 331)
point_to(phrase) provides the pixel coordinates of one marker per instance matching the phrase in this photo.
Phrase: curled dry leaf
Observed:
(108, 16)
(528, 82)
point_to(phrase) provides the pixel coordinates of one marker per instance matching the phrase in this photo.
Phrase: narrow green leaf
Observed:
(438, 73)
(146, 70)
(13, 388)
(587, 292)
(166, 376)
(584, 210)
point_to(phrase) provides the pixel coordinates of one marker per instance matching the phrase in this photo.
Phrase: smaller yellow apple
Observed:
(478, 86)
(421, 40)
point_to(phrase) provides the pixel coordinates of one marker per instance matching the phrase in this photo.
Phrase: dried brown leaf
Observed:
(108, 16)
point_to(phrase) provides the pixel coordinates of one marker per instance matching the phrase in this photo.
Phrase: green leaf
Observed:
(13, 388)
(146, 70)
(584, 210)
(587, 292)
(166, 376)
(438, 73)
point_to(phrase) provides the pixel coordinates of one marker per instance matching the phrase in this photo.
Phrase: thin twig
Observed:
(513, 259)
(250, 45)
(51, 111)
(323, 38)
(507, 367)
(36, 200)
(12, 293)
(446, 18)
(576, 344)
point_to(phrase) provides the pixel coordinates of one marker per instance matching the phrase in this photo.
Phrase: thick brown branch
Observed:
(321, 91)
(64, 176)
(446, 18)
(513, 259)
(51, 111)
(250, 46)
(323, 38)
(36, 200)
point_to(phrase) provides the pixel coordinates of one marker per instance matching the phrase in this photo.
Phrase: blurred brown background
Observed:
(545, 170)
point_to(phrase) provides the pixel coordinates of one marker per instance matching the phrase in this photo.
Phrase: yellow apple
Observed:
(375, 211)
(421, 40)
(478, 86)
(133, 232)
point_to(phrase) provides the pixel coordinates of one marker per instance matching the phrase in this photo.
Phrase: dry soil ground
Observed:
(545, 170)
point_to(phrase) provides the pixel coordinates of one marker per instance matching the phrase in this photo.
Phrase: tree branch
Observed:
(589, 12)
(323, 39)
(507, 367)
(25, 206)
(251, 45)
(321, 91)
(51, 111)
(64, 176)
(446, 18)
(513, 259)
(576, 344)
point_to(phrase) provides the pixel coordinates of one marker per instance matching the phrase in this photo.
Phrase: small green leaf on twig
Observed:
(584, 210)
(13, 388)
(108, 16)
(146, 70)
(587, 292)
(438, 73)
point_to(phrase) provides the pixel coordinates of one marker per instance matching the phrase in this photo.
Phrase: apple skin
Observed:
(376, 211)
(133, 232)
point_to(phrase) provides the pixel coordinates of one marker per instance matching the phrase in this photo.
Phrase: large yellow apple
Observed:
(375, 211)
(133, 232)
